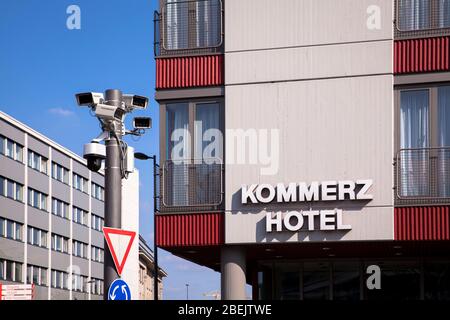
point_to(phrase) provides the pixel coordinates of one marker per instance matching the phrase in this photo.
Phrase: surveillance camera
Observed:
(94, 153)
(142, 123)
(109, 113)
(89, 99)
(135, 102)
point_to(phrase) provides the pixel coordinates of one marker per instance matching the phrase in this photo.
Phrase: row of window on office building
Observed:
(12, 271)
(38, 237)
(39, 163)
(39, 200)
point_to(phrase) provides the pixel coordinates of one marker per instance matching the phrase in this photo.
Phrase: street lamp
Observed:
(143, 156)
(187, 291)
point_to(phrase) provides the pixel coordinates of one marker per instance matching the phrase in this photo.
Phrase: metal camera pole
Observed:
(113, 188)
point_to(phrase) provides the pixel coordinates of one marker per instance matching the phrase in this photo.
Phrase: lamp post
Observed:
(187, 291)
(143, 156)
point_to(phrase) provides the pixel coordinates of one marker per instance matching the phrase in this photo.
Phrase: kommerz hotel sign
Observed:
(347, 190)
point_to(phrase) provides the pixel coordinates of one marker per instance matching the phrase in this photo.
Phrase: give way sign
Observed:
(119, 243)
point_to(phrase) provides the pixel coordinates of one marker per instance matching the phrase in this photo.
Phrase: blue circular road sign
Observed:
(119, 290)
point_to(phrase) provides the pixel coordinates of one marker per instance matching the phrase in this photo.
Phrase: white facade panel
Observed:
(262, 24)
(328, 130)
(305, 63)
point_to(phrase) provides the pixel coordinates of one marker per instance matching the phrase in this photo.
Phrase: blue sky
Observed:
(43, 64)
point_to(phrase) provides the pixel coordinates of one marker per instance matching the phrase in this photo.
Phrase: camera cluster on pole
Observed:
(111, 108)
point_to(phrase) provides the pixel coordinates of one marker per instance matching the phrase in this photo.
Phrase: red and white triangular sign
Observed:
(119, 243)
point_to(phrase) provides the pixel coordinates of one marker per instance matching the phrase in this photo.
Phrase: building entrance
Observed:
(400, 279)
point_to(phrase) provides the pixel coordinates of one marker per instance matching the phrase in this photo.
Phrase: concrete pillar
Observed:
(233, 273)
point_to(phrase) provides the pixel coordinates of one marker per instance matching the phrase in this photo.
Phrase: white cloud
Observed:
(61, 112)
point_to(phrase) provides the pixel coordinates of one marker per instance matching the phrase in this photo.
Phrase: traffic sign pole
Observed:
(113, 191)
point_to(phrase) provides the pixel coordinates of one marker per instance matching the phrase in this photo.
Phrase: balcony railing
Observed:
(188, 27)
(192, 185)
(422, 176)
(421, 18)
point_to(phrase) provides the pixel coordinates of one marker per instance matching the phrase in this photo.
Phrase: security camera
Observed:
(109, 113)
(142, 123)
(94, 153)
(135, 102)
(89, 99)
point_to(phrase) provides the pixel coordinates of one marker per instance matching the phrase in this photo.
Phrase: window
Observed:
(37, 275)
(37, 237)
(37, 162)
(2, 227)
(11, 229)
(60, 208)
(80, 183)
(59, 279)
(97, 286)
(11, 149)
(60, 173)
(424, 156)
(10, 270)
(97, 254)
(37, 199)
(194, 158)
(192, 24)
(97, 223)
(79, 282)
(11, 189)
(414, 15)
(80, 216)
(60, 243)
(79, 249)
(97, 192)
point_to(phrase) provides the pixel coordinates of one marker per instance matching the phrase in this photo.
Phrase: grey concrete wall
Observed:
(11, 250)
(38, 218)
(60, 191)
(97, 239)
(12, 169)
(40, 293)
(81, 265)
(60, 261)
(59, 294)
(96, 270)
(38, 256)
(12, 209)
(98, 179)
(38, 181)
(80, 200)
(80, 169)
(37, 146)
(98, 207)
(80, 232)
(60, 226)
(80, 295)
(11, 132)
(60, 159)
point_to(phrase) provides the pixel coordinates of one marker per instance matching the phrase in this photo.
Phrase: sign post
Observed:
(119, 244)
